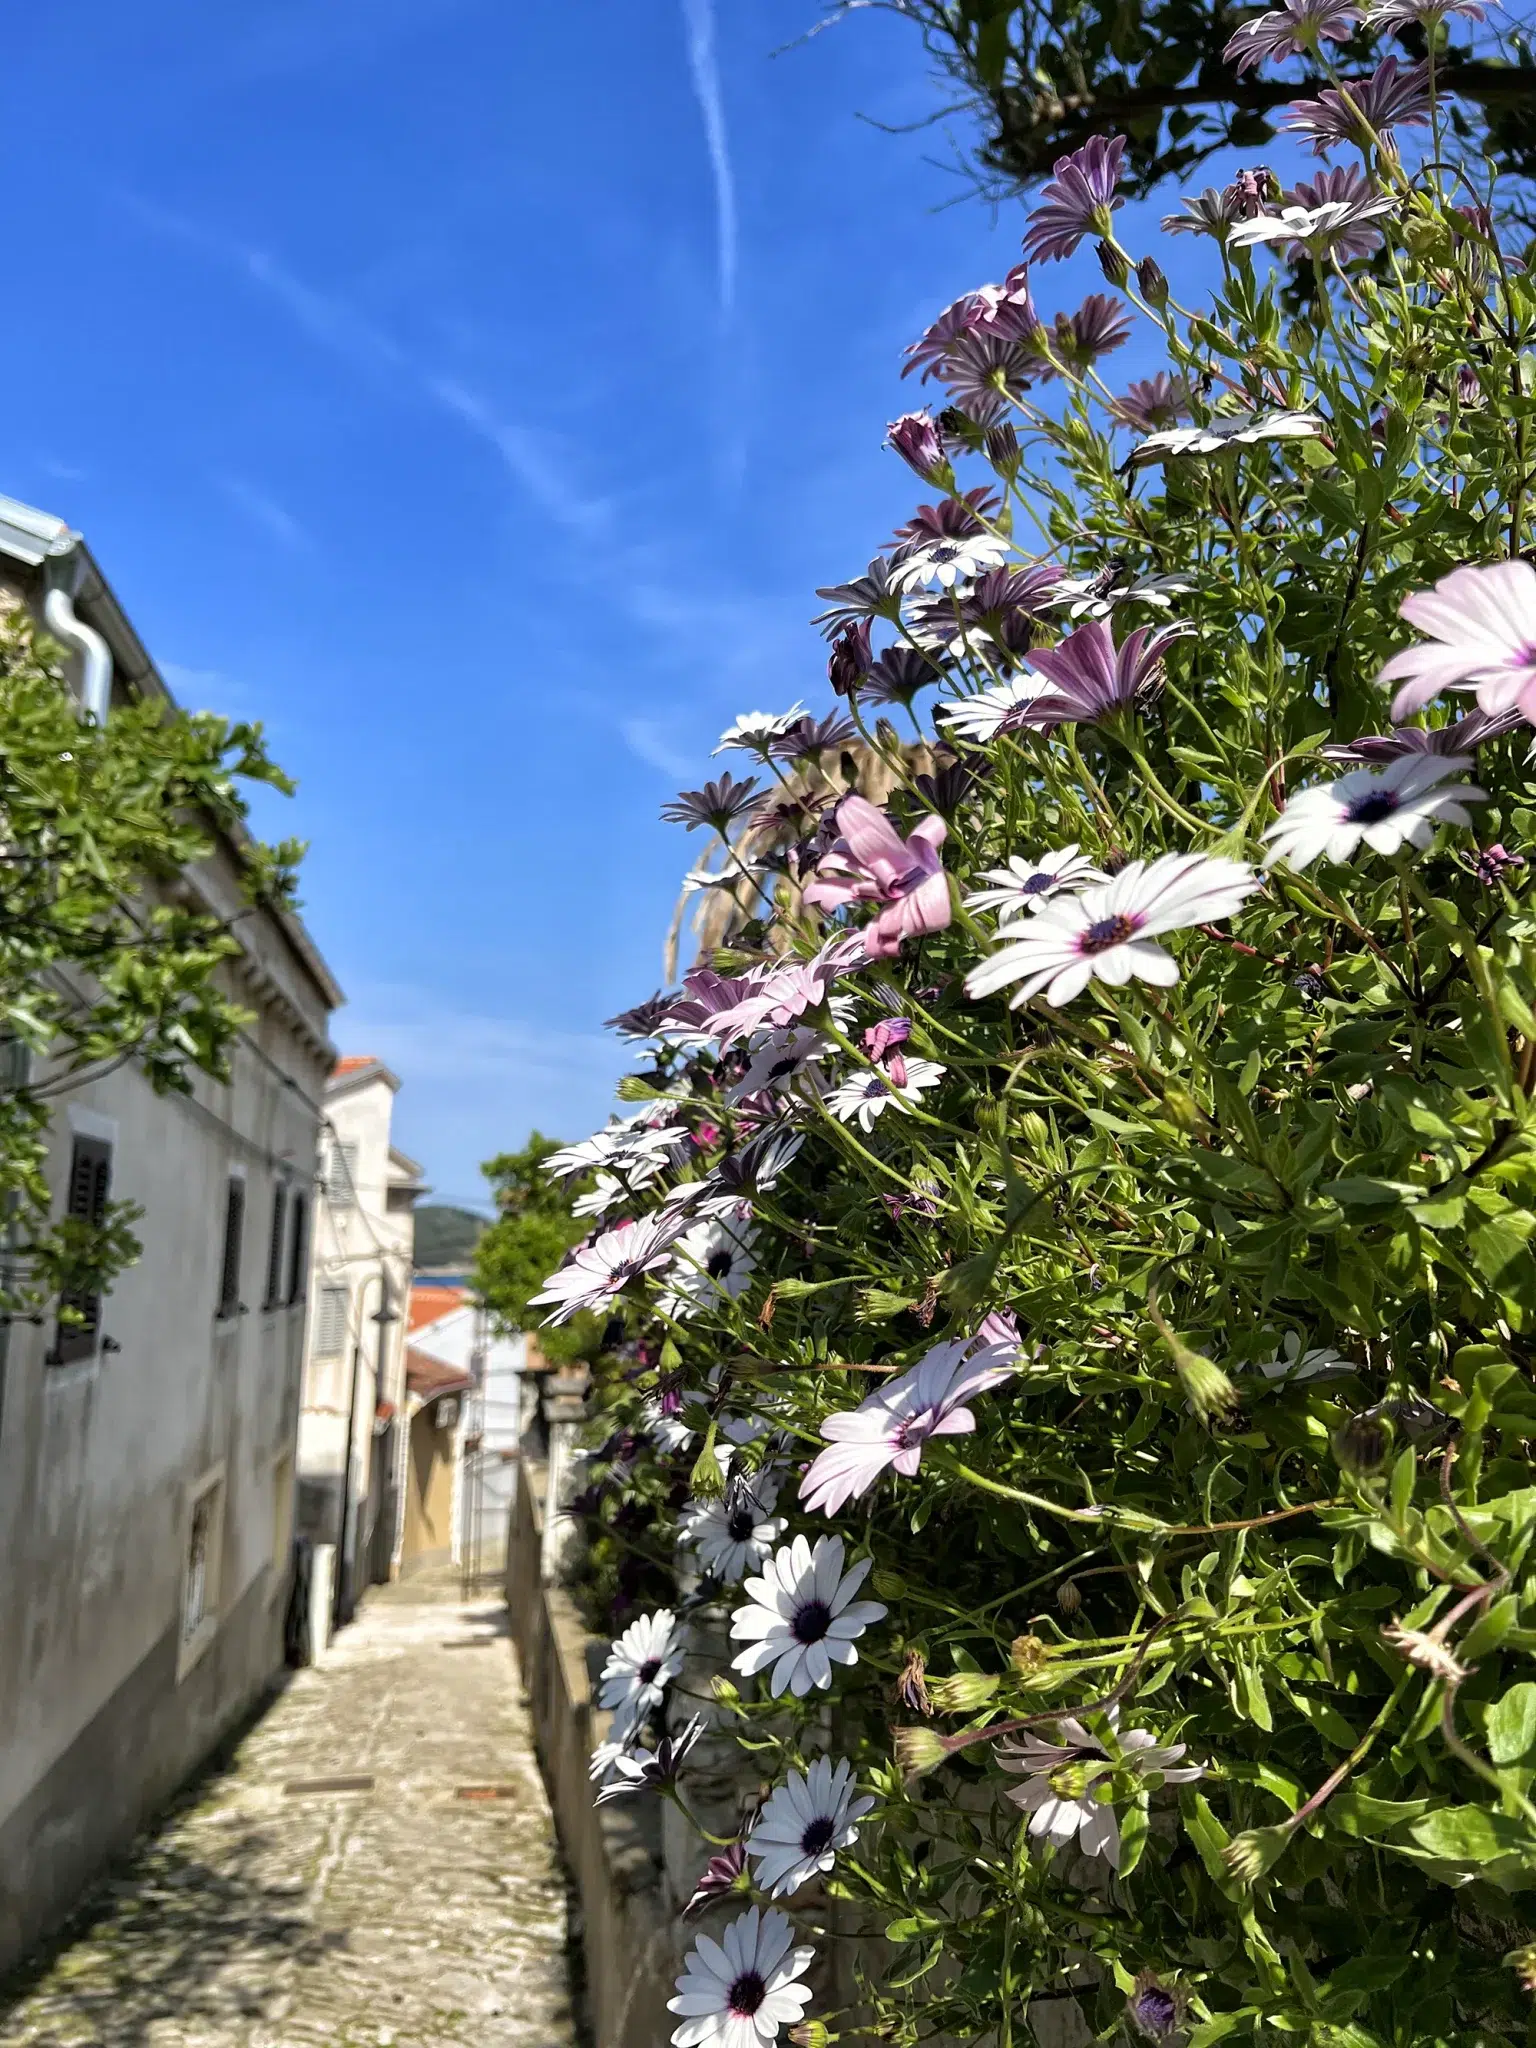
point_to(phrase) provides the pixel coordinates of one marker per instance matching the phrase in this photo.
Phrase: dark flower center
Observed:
(1037, 884)
(780, 1068)
(1109, 931)
(943, 551)
(741, 1525)
(818, 1836)
(1371, 809)
(875, 1086)
(746, 1994)
(811, 1621)
(649, 1669)
(718, 1264)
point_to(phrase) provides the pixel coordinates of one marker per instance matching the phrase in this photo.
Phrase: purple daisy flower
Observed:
(917, 440)
(1078, 199)
(1152, 402)
(1460, 737)
(1347, 187)
(1363, 110)
(1093, 677)
(898, 675)
(1099, 325)
(983, 371)
(870, 596)
(1293, 29)
(813, 736)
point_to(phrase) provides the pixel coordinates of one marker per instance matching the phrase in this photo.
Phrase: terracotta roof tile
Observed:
(350, 1062)
(429, 1377)
(428, 1303)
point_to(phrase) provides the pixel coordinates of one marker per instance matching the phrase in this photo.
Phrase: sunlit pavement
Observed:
(376, 1866)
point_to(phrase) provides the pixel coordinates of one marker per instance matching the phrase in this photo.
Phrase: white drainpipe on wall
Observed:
(95, 655)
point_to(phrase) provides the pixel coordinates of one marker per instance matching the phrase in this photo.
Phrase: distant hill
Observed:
(446, 1236)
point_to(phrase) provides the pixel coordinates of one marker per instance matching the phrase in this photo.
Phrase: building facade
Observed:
(467, 1413)
(352, 1433)
(147, 1459)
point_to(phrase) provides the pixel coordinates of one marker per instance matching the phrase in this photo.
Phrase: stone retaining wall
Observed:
(629, 1932)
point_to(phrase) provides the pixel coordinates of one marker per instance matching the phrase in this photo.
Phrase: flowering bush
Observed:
(1074, 1243)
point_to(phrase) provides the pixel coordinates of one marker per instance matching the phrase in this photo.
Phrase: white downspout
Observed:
(95, 655)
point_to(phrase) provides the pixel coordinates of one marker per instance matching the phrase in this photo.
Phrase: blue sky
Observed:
(476, 393)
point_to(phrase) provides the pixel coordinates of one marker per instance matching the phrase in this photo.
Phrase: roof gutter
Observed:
(64, 574)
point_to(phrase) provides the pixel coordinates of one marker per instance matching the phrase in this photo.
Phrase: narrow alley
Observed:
(375, 1868)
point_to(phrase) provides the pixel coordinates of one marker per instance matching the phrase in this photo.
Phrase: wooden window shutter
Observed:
(298, 1249)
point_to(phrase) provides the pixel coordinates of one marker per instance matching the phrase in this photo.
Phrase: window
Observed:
(234, 1230)
(341, 1181)
(274, 1293)
(85, 1200)
(201, 1570)
(298, 1248)
(331, 1323)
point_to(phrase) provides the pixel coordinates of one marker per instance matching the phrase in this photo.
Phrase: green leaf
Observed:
(1473, 1835)
(1511, 1725)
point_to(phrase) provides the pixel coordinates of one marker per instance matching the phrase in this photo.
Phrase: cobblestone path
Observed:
(268, 1913)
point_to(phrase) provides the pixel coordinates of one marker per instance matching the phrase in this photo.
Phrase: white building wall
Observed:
(105, 1703)
(364, 1247)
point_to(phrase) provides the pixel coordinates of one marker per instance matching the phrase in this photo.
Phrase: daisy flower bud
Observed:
(1151, 278)
(888, 1585)
(812, 2035)
(918, 1751)
(1206, 1387)
(1361, 1446)
(963, 1693)
(1068, 1598)
(1114, 263)
(1250, 1854)
(1523, 1962)
(707, 1481)
(1427, 1650)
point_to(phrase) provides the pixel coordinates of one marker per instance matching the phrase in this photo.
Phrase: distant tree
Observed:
(105, 958)
(533, 1231)
(1041, 76)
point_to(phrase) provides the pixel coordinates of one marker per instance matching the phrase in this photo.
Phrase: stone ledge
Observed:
(629, 1934)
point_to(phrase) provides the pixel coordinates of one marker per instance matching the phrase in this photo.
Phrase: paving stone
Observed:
(401, 1916)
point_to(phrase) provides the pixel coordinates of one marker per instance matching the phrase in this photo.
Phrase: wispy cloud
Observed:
(699, 23)
(333, 323)
(263, 511)
(526, 457)
(646, 738)
(477, 1084)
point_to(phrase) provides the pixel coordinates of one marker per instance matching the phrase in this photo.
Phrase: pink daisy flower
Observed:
(872, 863)
(1481, 627)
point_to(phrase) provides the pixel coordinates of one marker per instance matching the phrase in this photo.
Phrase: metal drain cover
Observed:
(486, 1792)
(305, 1788)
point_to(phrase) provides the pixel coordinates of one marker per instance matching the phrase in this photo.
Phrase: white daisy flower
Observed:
(801, 1616)
(606, 1193)
(594, 1274)
(733, 1536)
(641, 1770)
(755, 731)
(642, 1663)
(604, 1757)
(740, 1991)
(1024, 886)
(864, 1096)
(1399, 806)
(663, 1421)
(1107, 933)
(714, 1264)
(984, 716)
(1090, 597)
(1243, 429)
(805, 1822)
(948, 559)
(1317, 227)
(1066, 1793)
(779, 1057)
(727, 877)
(1294, 1365)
